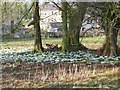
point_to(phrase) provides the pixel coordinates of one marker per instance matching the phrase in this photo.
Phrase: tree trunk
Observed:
(71, 24)
(65, 42)
(75, 21)
(38, 41)
(110, 46)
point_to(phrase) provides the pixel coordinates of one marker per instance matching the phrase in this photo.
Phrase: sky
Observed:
(41, 1)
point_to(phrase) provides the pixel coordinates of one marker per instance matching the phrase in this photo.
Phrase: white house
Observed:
(49, 14)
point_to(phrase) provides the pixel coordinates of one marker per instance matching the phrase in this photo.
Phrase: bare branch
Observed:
(25, 14)
(57, 6)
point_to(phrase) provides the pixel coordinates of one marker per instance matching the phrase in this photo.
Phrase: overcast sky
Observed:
(41, 1)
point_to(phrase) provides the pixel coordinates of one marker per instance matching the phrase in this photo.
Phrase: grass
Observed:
(85, 78)
(44, 41)
(59, 75)
(90, 42)
(93, 43)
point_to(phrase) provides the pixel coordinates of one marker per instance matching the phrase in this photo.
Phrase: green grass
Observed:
(89, 42)
(107, 77)
(58, 77)
(53, 40)
(93, 40)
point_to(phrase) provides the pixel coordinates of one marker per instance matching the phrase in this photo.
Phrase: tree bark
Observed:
(73, 20)
(110, 21)
(110, 46)
(38, 41)
(65, 42)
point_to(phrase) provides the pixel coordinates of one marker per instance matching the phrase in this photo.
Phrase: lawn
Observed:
(62, 75)
(86, 41)
(57, 69)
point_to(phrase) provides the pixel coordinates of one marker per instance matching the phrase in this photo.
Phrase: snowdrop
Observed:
(54, 57)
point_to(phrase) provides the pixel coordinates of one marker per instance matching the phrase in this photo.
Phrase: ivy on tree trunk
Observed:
(65, 44)
(75, 20)
(71, 24)
(38, 41)
(110, 46)
(110, 21)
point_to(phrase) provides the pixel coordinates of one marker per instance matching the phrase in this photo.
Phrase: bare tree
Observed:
(38, 41)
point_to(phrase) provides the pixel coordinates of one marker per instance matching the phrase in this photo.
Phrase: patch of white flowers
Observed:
(55, 57)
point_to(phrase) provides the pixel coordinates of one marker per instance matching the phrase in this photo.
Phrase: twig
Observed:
(57, 6)
(24, 16)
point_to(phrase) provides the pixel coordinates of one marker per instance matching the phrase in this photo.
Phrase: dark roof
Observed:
(48, 7)
(56, 24)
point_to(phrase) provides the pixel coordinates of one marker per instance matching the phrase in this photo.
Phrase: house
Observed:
(49, 14)
(50, 20)
(54, 30)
